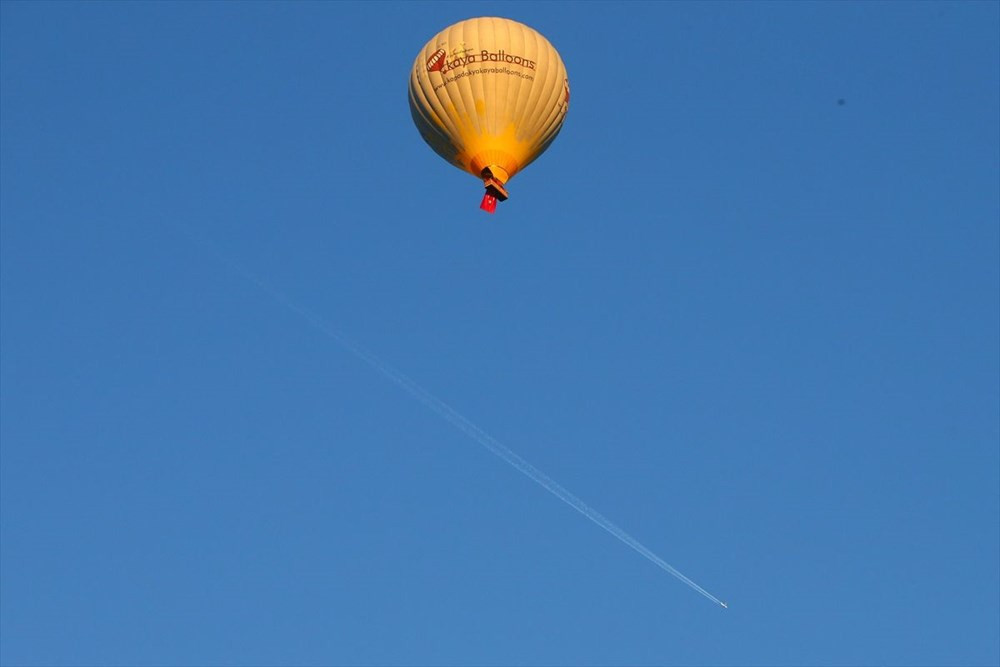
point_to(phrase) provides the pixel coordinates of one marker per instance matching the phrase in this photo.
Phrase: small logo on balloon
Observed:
(436, 61)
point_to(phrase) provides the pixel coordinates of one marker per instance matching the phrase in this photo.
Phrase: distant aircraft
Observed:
(724, 605)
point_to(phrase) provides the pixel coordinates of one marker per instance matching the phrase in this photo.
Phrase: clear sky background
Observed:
(755, 326)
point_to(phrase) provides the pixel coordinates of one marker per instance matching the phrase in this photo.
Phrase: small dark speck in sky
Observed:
(841, 102)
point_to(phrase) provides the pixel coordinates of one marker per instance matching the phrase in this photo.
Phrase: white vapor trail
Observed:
(463, 424)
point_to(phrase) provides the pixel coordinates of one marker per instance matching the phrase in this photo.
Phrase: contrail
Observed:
(456, 419)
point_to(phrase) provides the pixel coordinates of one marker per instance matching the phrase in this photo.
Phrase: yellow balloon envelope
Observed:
(489, 95)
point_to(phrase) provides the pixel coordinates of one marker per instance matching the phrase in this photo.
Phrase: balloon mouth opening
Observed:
(495, 173)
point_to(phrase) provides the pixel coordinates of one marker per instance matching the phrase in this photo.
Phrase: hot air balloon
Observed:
(489, 95)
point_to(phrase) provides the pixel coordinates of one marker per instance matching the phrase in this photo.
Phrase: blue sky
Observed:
(755, 327)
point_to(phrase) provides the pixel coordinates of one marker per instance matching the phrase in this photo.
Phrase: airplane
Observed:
(724, 605)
